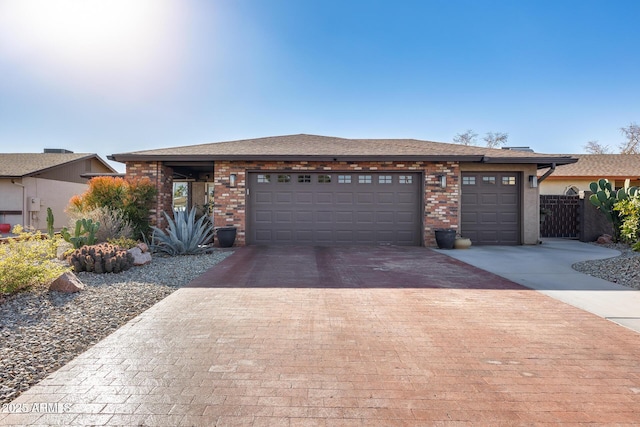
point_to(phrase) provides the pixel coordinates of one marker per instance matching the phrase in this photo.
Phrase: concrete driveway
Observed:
(300, 336)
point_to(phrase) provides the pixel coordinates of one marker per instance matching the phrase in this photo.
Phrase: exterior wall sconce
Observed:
(442, 180)
(533, 181)
(232, 179)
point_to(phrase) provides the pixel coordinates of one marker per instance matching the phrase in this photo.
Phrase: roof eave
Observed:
(541, 162)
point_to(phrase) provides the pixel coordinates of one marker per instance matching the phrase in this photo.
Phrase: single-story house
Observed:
(32, 182)
(574, 178)
(319, 190)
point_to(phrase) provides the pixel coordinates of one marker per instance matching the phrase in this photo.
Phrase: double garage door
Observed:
(491, 208)
(337, 208)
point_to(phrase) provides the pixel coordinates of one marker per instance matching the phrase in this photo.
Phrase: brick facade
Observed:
(441, 204)
(162, 177)
(440, 211)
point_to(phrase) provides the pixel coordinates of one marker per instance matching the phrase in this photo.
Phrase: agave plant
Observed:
(184, 235)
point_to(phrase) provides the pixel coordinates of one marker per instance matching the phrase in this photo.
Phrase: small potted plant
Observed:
(5, 228)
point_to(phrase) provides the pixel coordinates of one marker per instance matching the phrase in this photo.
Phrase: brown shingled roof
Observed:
(16, 165)
(619, 166)
(310, 147)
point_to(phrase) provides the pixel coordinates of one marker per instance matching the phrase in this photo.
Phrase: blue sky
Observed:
(117, 76)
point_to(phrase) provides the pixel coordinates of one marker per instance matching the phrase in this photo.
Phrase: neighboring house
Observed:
(318, 190)
(574, 179)
(32, 182)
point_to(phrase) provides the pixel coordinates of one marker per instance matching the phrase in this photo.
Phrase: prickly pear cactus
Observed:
(605, 197)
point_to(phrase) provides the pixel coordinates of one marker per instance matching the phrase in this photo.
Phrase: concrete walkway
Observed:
(301, 336)
(547, 268)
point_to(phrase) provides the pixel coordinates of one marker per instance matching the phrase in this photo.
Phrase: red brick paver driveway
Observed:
(293, 336)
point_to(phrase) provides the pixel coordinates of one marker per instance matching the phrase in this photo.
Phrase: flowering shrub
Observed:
(129, 199)
(27, 260)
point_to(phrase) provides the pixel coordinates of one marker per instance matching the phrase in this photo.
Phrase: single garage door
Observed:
(491, 208)
(336, 208)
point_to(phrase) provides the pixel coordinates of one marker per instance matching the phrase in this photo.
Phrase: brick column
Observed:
(162, 178)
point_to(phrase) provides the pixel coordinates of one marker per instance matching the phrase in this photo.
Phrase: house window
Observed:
(264, 179)
(385, 179)
(489, 179)
(324, 179)
(284, 178)
(364, 179)
(344, 179)
(508, 180)
(405, 179)
(468, 180)
(304, 178)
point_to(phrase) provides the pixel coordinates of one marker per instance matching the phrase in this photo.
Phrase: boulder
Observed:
(140, 257)
(605, 239)
(143, 247)
(67, 283)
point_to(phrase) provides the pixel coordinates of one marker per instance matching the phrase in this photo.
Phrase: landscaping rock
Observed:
(140, 257)
(143, 247)
(605, 239)
(67, 283)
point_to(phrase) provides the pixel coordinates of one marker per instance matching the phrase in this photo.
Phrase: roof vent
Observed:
(57, 151)
(527, 149)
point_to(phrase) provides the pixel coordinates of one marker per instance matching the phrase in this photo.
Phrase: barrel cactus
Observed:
(101, 258)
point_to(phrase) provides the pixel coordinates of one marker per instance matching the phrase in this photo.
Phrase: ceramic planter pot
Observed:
(462, 243)
(445, 238)
(226, 236)
(5, 228)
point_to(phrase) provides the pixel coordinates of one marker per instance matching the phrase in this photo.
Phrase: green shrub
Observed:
(184, 235)
(629, 213)
(27, 260)
(123, 242)
(132, 197)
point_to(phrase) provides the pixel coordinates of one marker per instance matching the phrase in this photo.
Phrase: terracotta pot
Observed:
(462, 243)
(5, 228)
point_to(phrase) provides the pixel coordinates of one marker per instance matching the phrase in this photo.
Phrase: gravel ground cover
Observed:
(40, 331)
(623, 269)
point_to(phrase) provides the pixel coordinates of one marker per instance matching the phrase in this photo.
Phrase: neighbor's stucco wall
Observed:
(441, 204)
(51, 194)
(558, 186)
(530, 203)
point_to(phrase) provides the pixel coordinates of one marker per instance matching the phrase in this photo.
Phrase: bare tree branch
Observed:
(495, 140)
(632, 144)
(594, 147)
(467, 138)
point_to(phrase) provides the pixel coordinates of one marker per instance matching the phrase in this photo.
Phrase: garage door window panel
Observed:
(344, 179)
(283, 179)
(405, 179)
(365, 179)
(489, 180)
(264, 179)
(304, 179)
